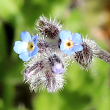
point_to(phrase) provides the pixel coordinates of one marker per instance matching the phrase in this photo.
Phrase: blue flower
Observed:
(70, 43)
(26, 48)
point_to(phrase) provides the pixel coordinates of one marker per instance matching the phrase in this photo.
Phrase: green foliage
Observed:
(84, 90)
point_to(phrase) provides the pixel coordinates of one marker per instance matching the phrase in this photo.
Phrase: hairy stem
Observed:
(103, 55)
(97, 51)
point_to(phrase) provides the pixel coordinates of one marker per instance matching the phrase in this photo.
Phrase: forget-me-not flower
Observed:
(26, 48)
(70, 43)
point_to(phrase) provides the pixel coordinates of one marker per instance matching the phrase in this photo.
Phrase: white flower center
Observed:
(69, 44)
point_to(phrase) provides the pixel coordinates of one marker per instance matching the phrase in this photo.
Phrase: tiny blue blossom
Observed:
(26, 48)
(70, 43)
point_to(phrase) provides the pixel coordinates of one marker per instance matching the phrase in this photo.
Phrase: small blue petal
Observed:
(65, 35)
(62, 47)
(34, 39)
(68, 51)
(34, 52)
(76, 38)
(25, 36)
(25, 56)
(20, 47)
(77, 48)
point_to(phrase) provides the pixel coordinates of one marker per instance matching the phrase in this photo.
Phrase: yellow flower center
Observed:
(30, 46)
(69, 44)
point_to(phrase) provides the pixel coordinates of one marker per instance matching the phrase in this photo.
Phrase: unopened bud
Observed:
(48, 28)
(58, 68)
(54, 82)
(84, 57)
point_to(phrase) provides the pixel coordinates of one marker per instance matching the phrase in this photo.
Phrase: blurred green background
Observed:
(84, 90)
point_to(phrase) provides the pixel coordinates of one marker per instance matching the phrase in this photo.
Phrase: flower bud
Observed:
(48, 28)
(34, 69)
(54, 82)
(84, 57)
(43, 45)
(58, 68)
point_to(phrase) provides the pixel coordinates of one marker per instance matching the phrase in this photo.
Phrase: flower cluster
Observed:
(47, 54)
